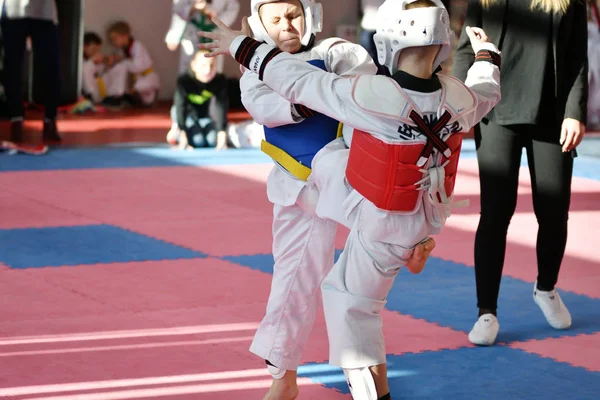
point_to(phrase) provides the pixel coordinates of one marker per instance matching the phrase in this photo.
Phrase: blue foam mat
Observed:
(489, 373)
(586, 166)
(76, 245)
(444, 293)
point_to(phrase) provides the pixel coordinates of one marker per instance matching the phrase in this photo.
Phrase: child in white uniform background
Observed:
(137, 60)
(99, 81)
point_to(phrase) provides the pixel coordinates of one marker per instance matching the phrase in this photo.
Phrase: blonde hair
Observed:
(421, 4)
(557, 6)
(119, 27)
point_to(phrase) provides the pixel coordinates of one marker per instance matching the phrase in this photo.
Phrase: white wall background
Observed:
(150, 21)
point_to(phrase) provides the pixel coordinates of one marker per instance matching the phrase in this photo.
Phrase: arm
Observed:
(222, 104)
(576, 107)
(230, 12)
(483, 78)
(265, 106)
(299, 82)
(180, 103)
(140, 59)
(349, 59)
(89, 82)
(464, 55)
(183, 8)
(270, 109)
(175, 32)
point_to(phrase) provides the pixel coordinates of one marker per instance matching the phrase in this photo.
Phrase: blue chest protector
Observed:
(303, 140)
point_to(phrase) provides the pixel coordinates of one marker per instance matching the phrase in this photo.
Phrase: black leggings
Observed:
(46, 51)
(499, 150)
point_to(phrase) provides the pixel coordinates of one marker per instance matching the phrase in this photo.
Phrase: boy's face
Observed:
(284, 22)
(90, 50)
(119, 40)
(200, 4)
(204, 68)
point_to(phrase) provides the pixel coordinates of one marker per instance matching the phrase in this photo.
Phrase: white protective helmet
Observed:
(400, 28)
(313, 20)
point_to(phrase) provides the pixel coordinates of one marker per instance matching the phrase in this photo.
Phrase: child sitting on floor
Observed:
(137, 61)
(195, 89)
(100, 82)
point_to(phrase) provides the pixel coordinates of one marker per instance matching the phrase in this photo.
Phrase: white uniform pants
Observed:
(379, 244)
(303, 249)
(147, 87)
(114, 80)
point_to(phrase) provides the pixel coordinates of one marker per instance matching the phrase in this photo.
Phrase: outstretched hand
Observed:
(477, 37)
(223, 37)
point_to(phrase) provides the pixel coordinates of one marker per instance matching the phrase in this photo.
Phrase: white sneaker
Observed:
(485, 330)
(552, 306)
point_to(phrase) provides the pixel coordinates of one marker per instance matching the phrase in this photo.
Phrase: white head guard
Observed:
(313, 21)
(400, 28)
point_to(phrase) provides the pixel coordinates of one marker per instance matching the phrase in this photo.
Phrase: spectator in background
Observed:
(99, 82)
(37, 19)
(543, 109)
(197, 15)
(195, 89)
(190, 17)
(594, 61)
(138, 63)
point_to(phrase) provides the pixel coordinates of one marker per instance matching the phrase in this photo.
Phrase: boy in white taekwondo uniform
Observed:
(303, 244)
(402, 163)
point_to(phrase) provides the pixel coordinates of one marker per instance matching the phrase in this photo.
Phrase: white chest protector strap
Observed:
(382, 96)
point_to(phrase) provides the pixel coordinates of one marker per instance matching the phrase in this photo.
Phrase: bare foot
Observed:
(417, 261)
(283, 389)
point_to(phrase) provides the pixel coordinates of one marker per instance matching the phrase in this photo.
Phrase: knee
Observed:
(211, 138)
(198, 140)
(497, 218)
(555, 217)
(190, 122)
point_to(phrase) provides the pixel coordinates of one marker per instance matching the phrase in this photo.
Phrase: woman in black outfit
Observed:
(543, 109)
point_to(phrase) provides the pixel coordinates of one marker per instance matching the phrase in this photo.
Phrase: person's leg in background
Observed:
(209, 131)
(14, 32)
(193, 136)
(551, 174)
(499, 150)
(46, 53)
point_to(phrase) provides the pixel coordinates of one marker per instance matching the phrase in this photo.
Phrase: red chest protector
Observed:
(387, 174)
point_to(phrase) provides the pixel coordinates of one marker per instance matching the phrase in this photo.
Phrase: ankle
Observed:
(544, 287)
(483, 311)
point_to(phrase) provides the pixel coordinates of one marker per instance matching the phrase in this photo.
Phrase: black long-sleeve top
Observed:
(192, 98)
(544, 60)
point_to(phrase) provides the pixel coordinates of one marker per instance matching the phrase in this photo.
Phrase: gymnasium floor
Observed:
(138, 272)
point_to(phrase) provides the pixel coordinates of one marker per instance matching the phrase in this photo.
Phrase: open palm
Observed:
(223, 37)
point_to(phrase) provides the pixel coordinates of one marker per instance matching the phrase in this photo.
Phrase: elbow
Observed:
(259, 120)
